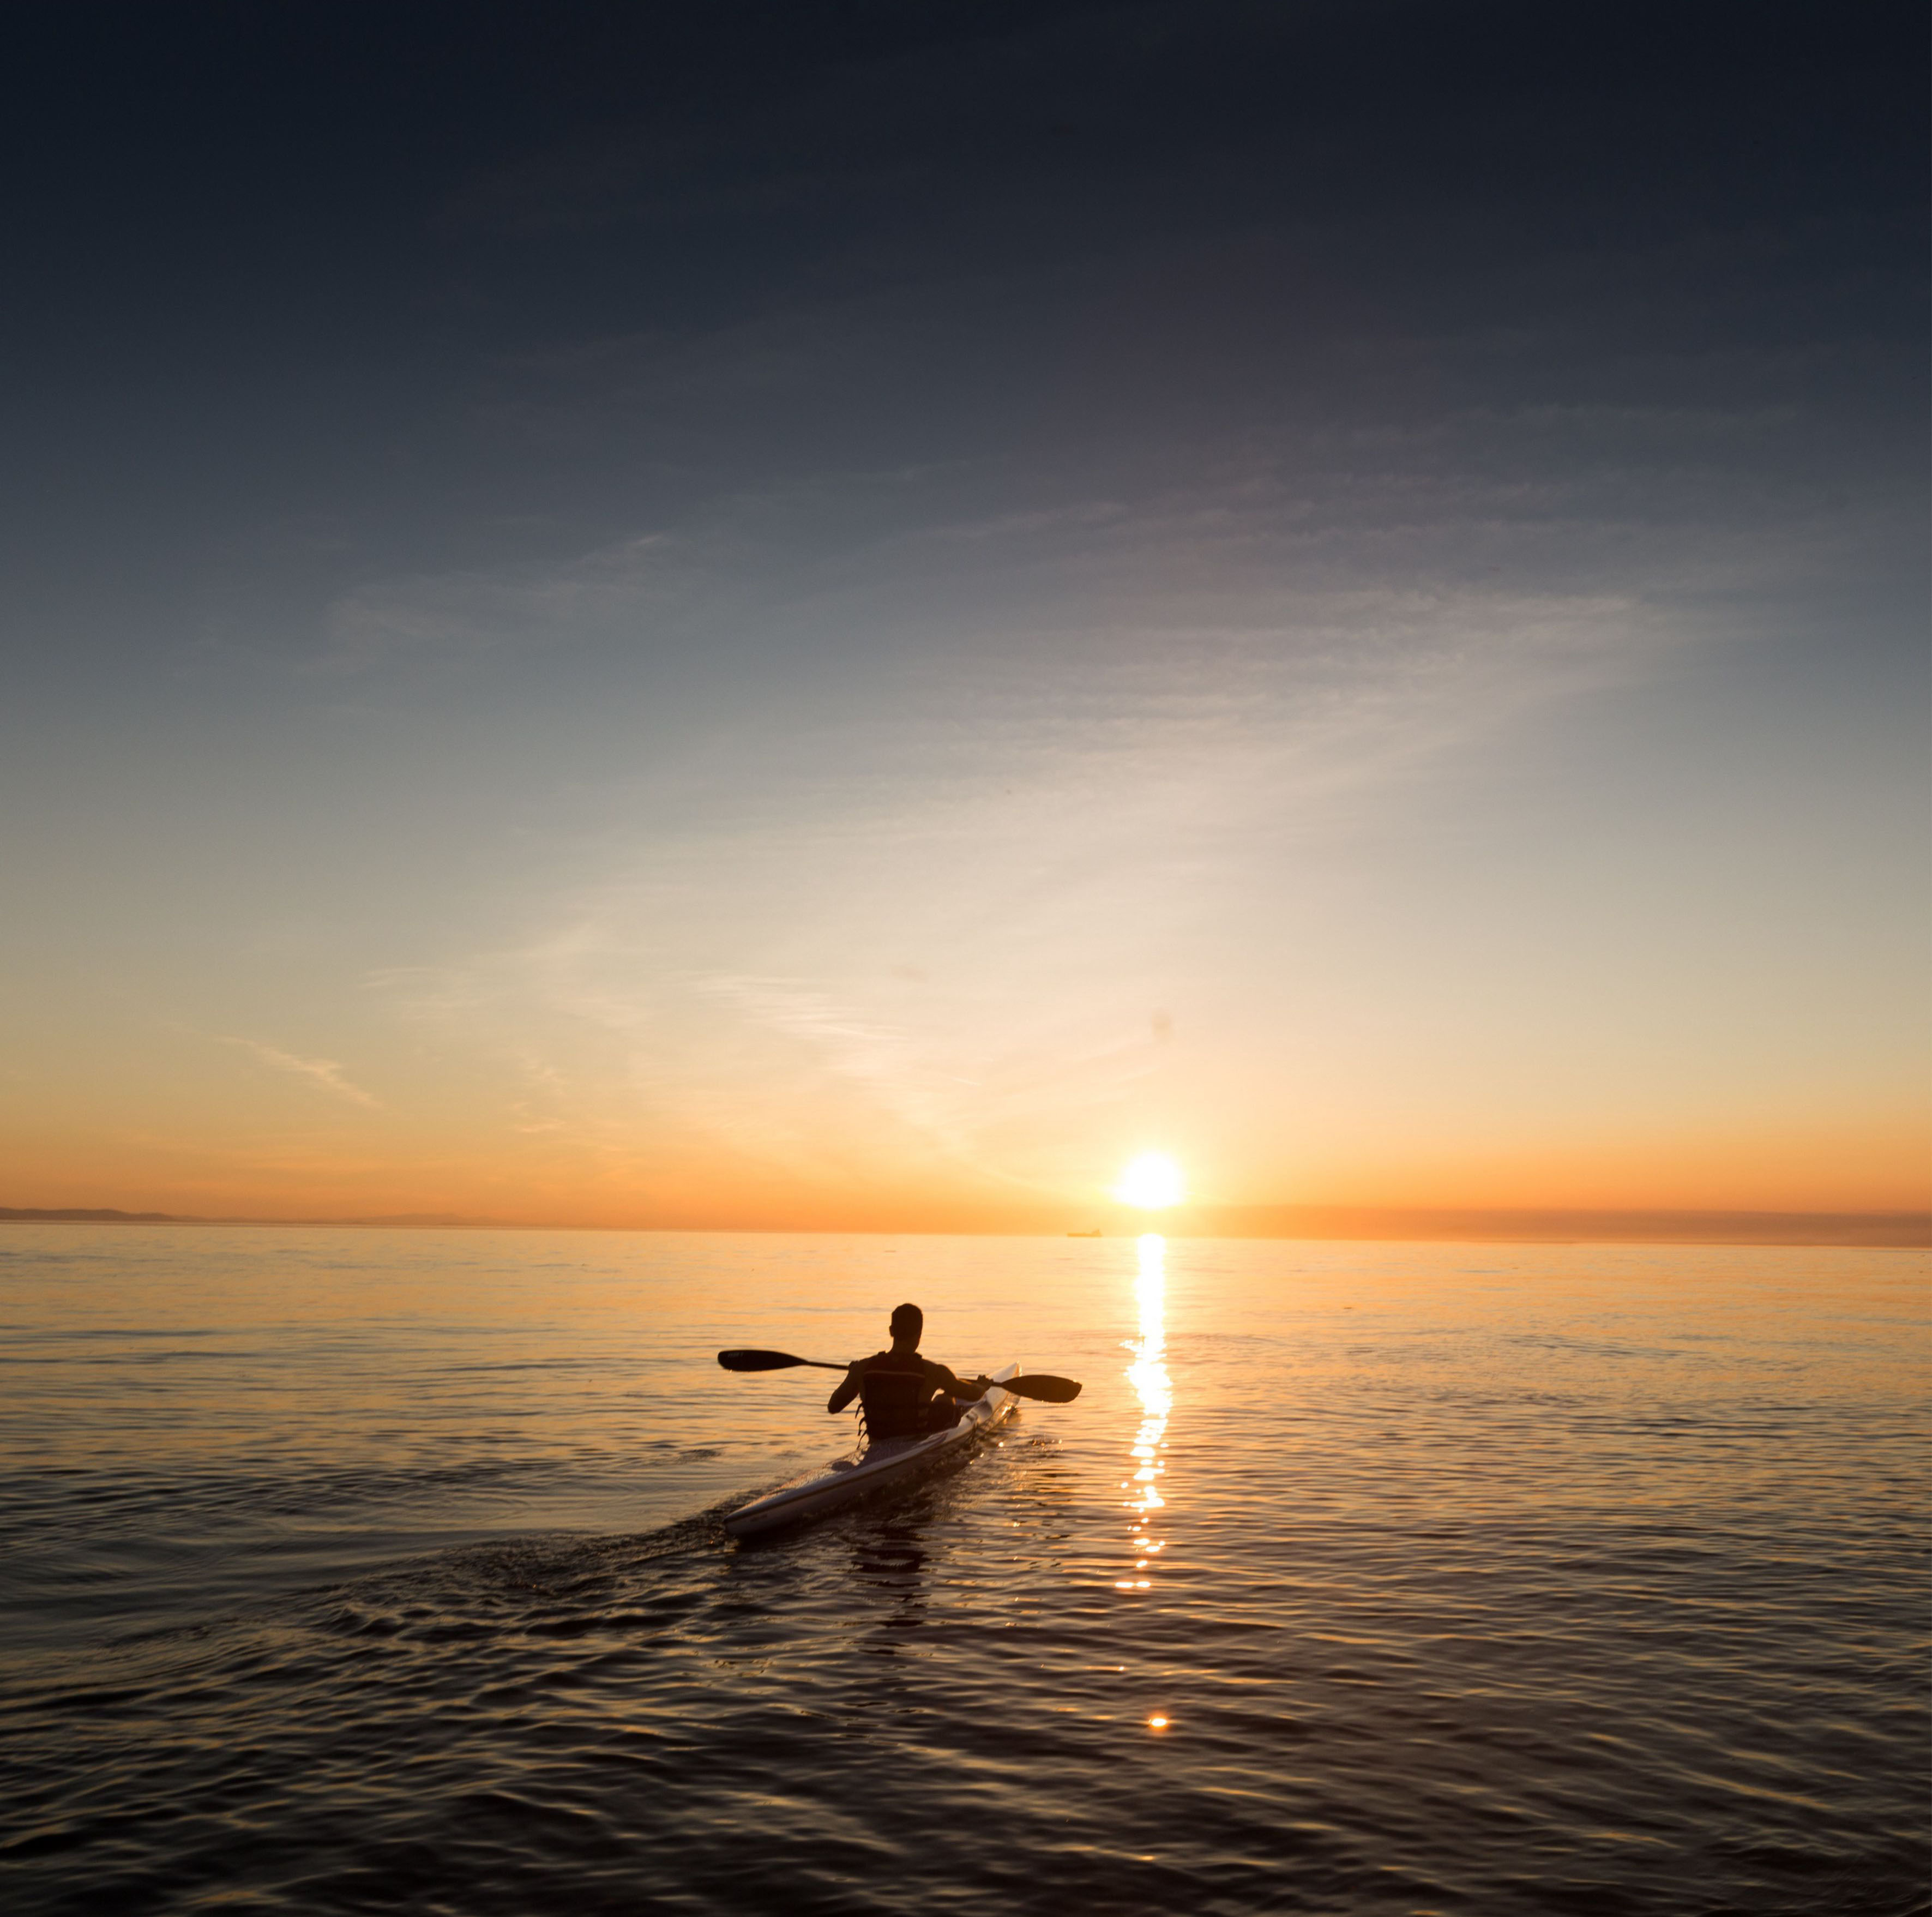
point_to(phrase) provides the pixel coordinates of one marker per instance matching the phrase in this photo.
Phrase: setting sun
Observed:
(1151, 1181)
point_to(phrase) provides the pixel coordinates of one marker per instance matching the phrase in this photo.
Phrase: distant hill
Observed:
(73, 1215)
(82, 1215)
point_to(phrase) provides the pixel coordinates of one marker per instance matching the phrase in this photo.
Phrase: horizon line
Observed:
(1900, 1230)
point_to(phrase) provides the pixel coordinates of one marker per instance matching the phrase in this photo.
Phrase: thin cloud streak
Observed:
(325, 1073)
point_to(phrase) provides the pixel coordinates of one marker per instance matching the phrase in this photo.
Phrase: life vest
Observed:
(894, 1392)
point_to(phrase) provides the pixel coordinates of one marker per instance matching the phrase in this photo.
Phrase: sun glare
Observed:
(1150, 1182)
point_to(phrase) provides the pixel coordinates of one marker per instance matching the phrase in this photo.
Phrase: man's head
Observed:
(908, 1321)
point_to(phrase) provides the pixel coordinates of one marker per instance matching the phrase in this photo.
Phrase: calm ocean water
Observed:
(346, 1570)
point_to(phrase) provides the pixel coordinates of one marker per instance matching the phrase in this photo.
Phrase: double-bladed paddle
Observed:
(1028, 1384)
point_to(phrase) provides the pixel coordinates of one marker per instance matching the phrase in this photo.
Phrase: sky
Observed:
(793, 616)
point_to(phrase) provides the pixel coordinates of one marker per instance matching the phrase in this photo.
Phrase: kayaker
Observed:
(904, 1395)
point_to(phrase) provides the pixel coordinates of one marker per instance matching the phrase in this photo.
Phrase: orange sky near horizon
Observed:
(290, 1162)
(913, 994)
(967, 1010)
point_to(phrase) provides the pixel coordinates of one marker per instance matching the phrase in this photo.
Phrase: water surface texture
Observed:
(348, 1570)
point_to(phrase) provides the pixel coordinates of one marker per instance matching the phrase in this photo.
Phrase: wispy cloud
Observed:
(866, 1050)
(323, 1072)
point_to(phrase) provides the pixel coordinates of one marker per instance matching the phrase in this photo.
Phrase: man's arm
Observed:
(848, 1386)
(944, 1380)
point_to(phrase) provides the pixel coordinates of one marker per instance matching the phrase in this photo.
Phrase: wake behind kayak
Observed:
(886, 1464)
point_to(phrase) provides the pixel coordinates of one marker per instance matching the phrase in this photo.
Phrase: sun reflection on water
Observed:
(1148, 1374)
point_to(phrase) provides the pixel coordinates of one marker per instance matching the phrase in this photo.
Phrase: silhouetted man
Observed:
(904, 1395)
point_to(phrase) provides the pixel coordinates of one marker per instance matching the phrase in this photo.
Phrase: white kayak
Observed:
(890, 1462)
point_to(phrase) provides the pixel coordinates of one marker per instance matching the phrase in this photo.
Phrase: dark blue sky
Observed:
(471, 283)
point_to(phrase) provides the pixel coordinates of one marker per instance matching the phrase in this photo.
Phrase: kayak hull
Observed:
(872, 1469)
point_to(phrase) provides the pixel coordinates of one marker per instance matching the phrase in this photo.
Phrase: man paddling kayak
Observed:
(913, 1420)
(904, 1395)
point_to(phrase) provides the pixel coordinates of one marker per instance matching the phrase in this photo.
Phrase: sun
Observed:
(1151, 1182)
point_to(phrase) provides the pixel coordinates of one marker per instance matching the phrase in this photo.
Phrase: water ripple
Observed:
(1582, 1623)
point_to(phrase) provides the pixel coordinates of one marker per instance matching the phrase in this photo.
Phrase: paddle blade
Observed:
(1039, 1384)
(759, 1360)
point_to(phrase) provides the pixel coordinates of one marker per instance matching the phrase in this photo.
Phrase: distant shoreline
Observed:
(1874, 1230)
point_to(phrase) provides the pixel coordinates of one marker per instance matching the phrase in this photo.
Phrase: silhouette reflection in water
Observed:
(1148, 1374)
(888, 1576)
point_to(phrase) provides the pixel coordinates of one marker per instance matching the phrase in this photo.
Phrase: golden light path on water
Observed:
(1148, 1374)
